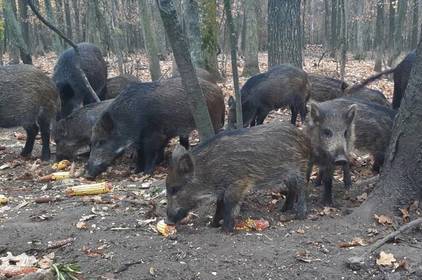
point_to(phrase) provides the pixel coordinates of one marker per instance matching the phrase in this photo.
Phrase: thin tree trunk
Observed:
(333, 37)
(56, 40)
(190, 82)
(76, 6)
(343, 39)
(68, 19)
(402, 9)
(251, 39)
(191, 17)
(379, 36)
(25, 52)
(415, 25)
(284, 33)
(228, 10)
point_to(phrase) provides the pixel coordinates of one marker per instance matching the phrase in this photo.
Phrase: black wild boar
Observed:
(230, 164)
(283, 85)
(30, 99)
(68, 79)
(117, 84)
(74, 132)
(370, 95)
(147, 116)
(325, 88)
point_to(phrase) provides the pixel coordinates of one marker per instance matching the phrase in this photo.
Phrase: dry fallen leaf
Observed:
(300, 231)
(401, 265)
(251, 224)
(11, 266)
(81, 225)
(357, 241)
(362, 197)
(383, 220)
(46, 261)
(405, 215)
(385, 259)
(328, 211)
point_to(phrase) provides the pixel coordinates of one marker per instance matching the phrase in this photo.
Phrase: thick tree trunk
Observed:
(415, 25)
(187, 72)
(209, 30)
(251, 39)
(399, 38)
(56, 40)
(400, 179)
(25, 52)
(326, 24)
(284, 33)
(75, 6)
(191, 17)
(379, 36)
(68, 19)
(150, 40)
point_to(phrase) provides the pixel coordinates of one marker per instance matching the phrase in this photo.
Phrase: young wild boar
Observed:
(68, 79)
(147, 116)
(74, 132)
(231, 163)
(28, 98)
(283, 85)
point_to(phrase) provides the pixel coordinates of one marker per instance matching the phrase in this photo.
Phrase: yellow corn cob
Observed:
(3, 199)
(60, 175)
(61, 165)
(89, 189)
(165, 229)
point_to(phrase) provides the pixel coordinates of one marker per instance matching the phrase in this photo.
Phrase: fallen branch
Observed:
(125, 266)
(357, 261)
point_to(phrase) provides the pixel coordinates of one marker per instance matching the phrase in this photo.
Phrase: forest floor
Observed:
(113, 236)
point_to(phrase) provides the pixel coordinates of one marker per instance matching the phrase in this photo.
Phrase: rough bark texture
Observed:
(343, 40)
(379, 35)
(251, 39)
(56, 40)
(150, 40)
(25, 52)
(209, 29)
(400, 179)
(191, 18)
(187, 72)
(333, 36)
(284, 33)
(415, 25)
(233, 47)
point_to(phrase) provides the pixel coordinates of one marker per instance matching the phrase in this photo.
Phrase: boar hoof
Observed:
(215, 224)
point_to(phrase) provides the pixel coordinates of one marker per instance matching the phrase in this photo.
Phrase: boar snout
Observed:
(175, 215)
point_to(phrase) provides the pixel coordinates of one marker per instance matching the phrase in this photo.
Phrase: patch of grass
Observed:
(67, 271)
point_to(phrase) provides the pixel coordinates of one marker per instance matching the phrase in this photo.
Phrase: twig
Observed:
(125, 266)
(321, 58)
(358, 261)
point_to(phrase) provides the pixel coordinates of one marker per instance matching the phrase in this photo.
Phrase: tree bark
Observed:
(343, 39)
(56, 40)
(25, 52)
(190, 82)
(415, 25)
(251, 39)
(233, 47)
(379, 36)
(400, 179)
(284, 33)
(150, 40)
(191, 17)
(402, 10)
(76, 6)
(333, 37)
(68, 20)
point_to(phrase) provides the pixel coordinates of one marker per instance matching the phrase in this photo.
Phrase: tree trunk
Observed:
(400, 179)
(68, 19)
(150, 40)
(402, 9)
(326, 24)
(333, 37)
(25, 52)
(343, 39)
(75, 6)
(415, 25)
(360, 53)
(209, 30)
(233, 47)
(190, 82)
(60, 18)
(56, 40)
(192, 30)
(14, 30)
(251, 41)
(284, 33)
(379, 36)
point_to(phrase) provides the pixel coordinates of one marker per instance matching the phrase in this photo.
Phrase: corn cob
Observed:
(61, 165)
(3, 199)
(165, 229)
(89, 189)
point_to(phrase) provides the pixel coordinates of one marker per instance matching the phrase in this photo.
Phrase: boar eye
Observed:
(327, 133)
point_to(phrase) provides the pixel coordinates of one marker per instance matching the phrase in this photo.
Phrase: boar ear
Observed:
(350, 114)
(182, 160)
(315, 113)
(107, 122)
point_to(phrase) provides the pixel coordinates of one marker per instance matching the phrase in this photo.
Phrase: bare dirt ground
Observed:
(112, 236)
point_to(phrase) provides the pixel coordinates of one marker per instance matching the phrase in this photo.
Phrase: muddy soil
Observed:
(113, 236)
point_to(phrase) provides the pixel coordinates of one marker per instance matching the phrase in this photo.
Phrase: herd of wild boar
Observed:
(144, 116)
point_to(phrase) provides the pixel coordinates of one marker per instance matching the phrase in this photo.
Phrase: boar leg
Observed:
(303, 112)
(302, 198)
(294, 114)
(219, 211)
(260, 117)
(45, 138)
(347, 177)
(327, 178)
(140, 161)
(378, 162)
(184, 141)
(290, 201)
(31, 133)
(231, 199)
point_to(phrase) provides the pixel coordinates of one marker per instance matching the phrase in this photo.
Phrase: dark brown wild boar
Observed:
(117, 84)
(30, 99)
(230, 164)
